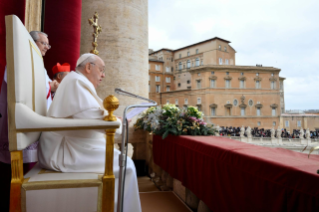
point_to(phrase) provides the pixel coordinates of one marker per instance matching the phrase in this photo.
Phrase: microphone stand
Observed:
(123, 155)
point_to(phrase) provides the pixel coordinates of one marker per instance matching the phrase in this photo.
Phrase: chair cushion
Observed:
(45, 190)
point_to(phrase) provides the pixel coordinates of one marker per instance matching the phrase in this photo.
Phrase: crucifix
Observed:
(97, 30)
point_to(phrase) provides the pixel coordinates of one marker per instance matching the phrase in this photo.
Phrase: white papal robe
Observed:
(83, 151)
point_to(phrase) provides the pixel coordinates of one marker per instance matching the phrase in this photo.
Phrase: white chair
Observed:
(43, 190)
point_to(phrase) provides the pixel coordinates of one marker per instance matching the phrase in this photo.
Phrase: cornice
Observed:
(228, 77)
(258, 78)
(213, 105)
(242, 78)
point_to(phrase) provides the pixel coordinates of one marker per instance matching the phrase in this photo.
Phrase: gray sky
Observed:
(283, 34)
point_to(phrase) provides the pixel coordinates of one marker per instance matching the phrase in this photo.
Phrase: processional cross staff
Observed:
(97, 30)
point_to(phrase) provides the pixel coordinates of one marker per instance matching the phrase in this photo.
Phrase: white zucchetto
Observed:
(83, 57)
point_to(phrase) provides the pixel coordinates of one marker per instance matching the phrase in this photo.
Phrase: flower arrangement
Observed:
(169, 119)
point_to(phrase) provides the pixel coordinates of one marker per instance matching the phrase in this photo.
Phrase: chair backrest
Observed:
(25, 80)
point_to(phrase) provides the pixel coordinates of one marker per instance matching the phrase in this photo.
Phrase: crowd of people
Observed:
(256, 132)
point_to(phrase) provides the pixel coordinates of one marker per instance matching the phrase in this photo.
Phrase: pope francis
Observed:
(83, 151)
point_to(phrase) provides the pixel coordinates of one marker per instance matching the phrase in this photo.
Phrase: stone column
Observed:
(123, 45)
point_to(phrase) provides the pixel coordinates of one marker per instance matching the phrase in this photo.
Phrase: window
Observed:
(258, 123)
(257, 84)
(212, 72)
(201, 62)
(157, 67)
(220, 47)
(179, 84)
(273, 123)
(281, 85)
(168, 88)
(212, 83)
(213, 111)
(176, 101)
(257, 74)
(286, 123)
(226, 61)
(188, 54)
(235, 102)
(272, 85)
(227, 73)
(157, 78)
(168, 69)
(241, 83)
(180, 67)
(199, 100)
(299, 123)
(180, 55)
(188, 81)
(188, 64)
(225, 48)
(242, 73)
(258, 111)
(272, 74)
(198, 74)
(167, 101)
(186, 101)
(158, 88)
(227, 83)
(250, 102)
(168, 79)
(196, 51)
(273, 111)
(197, 61)
(220, 61)
(172, 69)
(199, 107)
(198, 84)
(242, 111)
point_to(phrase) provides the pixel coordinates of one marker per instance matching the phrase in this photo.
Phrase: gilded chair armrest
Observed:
(29, 121)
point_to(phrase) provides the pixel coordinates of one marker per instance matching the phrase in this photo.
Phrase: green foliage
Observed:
(171, 120)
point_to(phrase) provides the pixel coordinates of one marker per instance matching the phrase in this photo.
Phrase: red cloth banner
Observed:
(8, 7)
(63, 25)
(230, 175)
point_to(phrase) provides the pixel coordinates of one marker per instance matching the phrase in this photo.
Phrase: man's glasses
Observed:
(102, 70)
(44, 44)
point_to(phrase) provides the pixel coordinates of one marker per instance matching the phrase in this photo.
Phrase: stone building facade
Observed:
(204, 74)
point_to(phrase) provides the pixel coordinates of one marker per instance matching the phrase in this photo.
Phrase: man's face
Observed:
(43, 43)
(61, 75)
(97, 72)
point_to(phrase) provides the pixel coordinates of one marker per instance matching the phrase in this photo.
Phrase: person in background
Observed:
(60, 71)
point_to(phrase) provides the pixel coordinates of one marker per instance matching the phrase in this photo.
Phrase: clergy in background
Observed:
(60, 71)
(84, 151)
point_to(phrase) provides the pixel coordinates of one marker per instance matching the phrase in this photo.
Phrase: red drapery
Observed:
(229, 175)
(8, 7)
(63, 25)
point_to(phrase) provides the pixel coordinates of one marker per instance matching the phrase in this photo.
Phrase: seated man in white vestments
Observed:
(84, 151)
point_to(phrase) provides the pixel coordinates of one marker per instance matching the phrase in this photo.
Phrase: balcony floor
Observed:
(154, 200)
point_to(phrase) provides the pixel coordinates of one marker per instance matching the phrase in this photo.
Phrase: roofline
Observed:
(214, 38)
(161, 50)
(155, 60)
(233, 67)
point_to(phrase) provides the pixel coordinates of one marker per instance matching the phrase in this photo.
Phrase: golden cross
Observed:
(97, 30)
